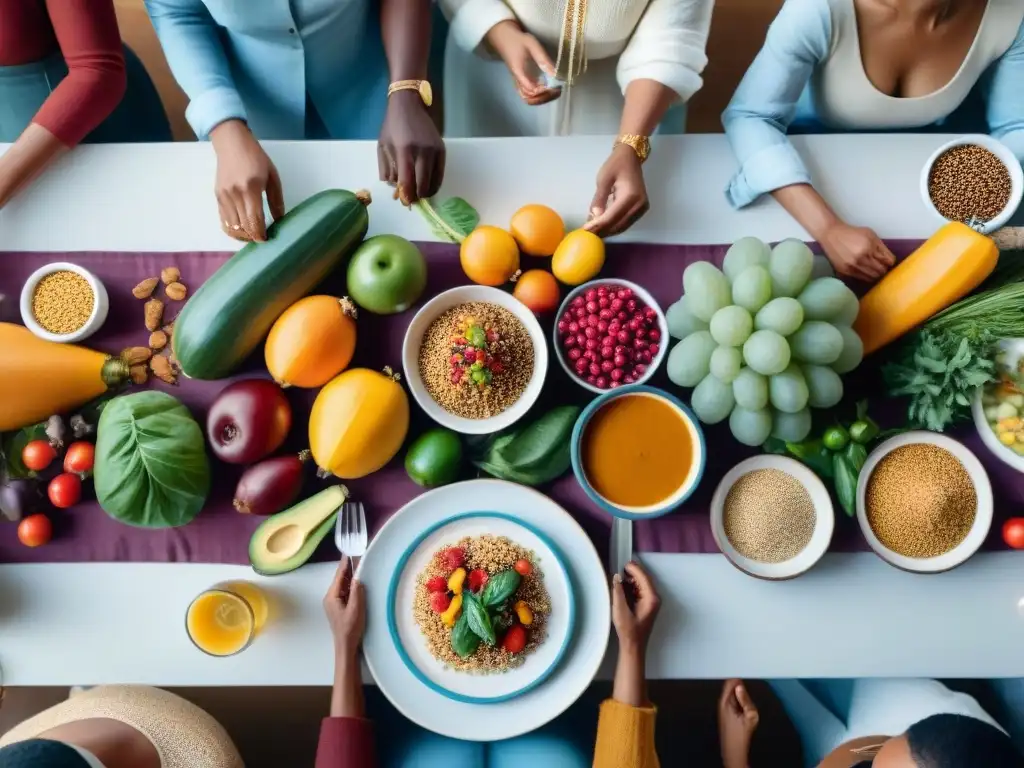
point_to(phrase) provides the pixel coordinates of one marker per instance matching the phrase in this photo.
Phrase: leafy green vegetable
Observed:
(151, 467)
(856, 454)
(845, 483)
(477, 618)
(814, 454)
(531, 455)
(450, 220)
(464, 640)
(500, 588)
(13, 445)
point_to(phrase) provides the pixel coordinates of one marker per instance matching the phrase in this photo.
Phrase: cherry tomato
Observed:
(35, 530)
(79, 458)
(65, 490)
(1013, 532)
(514, 640)
(523, 567)
(38, 455)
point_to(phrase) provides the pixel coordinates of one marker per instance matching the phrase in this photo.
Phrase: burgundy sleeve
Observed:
(91, 44)
(346, 742)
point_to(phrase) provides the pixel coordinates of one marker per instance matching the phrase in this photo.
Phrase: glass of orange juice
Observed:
(225, 619)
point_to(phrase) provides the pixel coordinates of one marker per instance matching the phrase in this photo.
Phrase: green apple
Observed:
(386, 275)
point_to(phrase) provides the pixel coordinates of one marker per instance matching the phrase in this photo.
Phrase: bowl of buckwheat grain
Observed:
(772, 517)
(64, 302)
(974, 179)
(924, 502)
(475, 359)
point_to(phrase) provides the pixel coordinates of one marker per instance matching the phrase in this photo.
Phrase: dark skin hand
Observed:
(737, 720)
(633, 616)
(410, 151)
(345, 607)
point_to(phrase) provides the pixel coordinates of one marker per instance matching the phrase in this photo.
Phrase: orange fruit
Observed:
(537, 229)
(538, 290)
(578, 258)
(489, 256)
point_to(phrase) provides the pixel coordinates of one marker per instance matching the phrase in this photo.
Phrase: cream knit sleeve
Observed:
(668, 45)
(471, 20)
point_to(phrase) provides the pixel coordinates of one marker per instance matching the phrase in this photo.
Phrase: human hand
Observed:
(521, 52)
(737, 720)
(856, 252)
(410, 151)
(633, 623)
(346, 610)
(621, 197)
(244, 173)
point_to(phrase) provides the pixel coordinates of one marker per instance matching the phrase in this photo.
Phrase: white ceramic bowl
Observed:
(640, 293)
(997, 148)
(982, 518)
(101, 305)
(1015, 349)
(414, 338)
(823, 527)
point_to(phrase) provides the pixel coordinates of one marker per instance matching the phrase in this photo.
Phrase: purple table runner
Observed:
(221, 535)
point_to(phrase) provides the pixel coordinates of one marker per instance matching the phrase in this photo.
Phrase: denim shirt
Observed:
(774, 99)
(259, 60)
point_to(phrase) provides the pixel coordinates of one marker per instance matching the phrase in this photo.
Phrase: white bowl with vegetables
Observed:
(762, 341)
(64, 302)
(998, 408)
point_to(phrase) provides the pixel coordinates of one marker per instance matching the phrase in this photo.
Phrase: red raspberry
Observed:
(453, 558)
(439, 602)
(477, 579)
(437, 584)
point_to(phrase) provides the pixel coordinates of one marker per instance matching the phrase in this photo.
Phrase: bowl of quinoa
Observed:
(64, 302)
(475, 359)
(481, 609)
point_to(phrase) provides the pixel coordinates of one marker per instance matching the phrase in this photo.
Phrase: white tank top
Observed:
(844, 97)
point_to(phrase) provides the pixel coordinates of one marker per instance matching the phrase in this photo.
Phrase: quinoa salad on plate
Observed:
(481, 604)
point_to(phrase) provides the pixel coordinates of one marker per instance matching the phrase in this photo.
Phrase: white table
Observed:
(851, 616)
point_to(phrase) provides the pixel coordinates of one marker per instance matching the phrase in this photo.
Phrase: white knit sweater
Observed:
(661, 40)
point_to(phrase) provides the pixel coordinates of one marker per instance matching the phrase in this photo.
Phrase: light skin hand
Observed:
(345, 607)
(244, 173)
(633, 624)
(521, 52)
(26, 158)
(737, 720)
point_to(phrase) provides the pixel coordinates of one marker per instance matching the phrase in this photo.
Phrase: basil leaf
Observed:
(14, 444)
(464, 640)
(500, 588)
(477, 618)
(450, 220)
(541, 442)
(151, 467)
(856, 454)
(846, 483)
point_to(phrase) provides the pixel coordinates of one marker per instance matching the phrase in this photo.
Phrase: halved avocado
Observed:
(287, 540)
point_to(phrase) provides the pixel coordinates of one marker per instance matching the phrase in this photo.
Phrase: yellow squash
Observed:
(312, 342)
(949, 265)
(358, 423)
(41, 378)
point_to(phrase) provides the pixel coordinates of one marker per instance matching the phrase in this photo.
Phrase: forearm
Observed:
(34, 150)
(809, 208)
(646, 102)
(405, 25)
(630, 686)
(347, 693)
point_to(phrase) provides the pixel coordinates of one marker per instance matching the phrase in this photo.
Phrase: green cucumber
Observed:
(231, 314)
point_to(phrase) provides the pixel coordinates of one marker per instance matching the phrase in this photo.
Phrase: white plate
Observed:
(1015, 351)
(823, 526)
(412, 645)
(491, 722)
(982, 518)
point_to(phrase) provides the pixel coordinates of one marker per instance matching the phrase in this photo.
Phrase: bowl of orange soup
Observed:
(638, 452)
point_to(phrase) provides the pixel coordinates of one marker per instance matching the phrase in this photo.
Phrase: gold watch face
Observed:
(426, 93)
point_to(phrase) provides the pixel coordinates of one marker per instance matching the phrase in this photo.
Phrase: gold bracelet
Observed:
(422, 87)
(639, 144)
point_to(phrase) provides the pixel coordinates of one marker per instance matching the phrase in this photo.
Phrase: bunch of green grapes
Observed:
(761, 342)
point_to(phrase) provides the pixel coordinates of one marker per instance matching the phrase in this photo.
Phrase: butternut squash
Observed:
(40, 378)
(312, 342)
(358, 423)
(949, 265)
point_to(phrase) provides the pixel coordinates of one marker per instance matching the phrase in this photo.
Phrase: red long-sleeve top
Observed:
(346, 742)
(86, 34)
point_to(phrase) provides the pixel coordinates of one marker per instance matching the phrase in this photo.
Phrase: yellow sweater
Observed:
(625, 737)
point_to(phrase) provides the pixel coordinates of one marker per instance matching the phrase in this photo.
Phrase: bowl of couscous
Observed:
(998, 408)
(64, 302)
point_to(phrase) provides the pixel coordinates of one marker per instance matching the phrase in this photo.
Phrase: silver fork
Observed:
(350, 532)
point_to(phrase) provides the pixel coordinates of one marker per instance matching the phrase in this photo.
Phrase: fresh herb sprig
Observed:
(481, 616)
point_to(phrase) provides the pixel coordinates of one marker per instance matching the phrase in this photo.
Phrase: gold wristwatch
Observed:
(422, 87)
(639, 144)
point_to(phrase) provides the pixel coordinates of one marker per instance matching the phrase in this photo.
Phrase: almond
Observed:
(176, 291)
(136, 355)
(170, 275)
(154, 314)
(139, 374)
(157, 340)
(145, 289)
